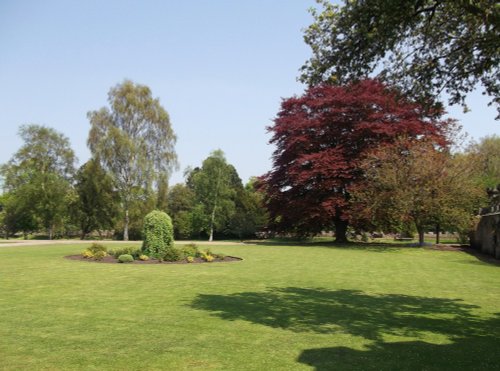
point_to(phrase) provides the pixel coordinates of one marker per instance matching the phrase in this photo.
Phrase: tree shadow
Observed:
(366, 246)
(325, 311)
(471, 353)
(481, 257)
(372, 317)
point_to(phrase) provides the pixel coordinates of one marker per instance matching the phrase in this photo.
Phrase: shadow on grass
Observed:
(371, 317)
(481, 257)
(369, 246)
(472, 353)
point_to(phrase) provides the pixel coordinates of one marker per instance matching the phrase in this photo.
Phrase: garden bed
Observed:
(111, 259)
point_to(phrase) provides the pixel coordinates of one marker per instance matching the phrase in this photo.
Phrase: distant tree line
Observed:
(132, 146)
(360, 157)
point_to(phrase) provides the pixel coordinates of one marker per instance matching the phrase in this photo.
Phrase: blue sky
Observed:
(219, 67)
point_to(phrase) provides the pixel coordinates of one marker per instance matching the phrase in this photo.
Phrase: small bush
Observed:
(143, 257)
(190, 250)
(99, 255)
(190, 259)
(87, 254)
(130, 250)
(126, 258)
(173, 255)
(207, 256)
(158, 234)
(96, 247)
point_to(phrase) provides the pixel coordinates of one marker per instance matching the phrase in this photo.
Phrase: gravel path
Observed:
(16, 243)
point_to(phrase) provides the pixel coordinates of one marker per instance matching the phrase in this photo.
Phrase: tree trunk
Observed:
(438, 230)
(212, 221)
(420, 236)
(341, 230)
(125, 226)
(51, 231)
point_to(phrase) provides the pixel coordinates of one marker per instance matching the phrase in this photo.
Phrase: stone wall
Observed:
(487, 235)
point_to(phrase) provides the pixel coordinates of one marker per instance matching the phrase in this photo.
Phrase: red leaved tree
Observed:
(321, 138)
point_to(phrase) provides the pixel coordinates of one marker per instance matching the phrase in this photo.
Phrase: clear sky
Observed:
(219, 67)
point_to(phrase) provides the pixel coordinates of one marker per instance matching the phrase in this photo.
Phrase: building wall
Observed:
(487, 236)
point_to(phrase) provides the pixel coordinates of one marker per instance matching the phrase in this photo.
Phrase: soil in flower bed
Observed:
(111, 259)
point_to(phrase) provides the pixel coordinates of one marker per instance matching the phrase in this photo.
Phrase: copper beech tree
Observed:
(321, 138)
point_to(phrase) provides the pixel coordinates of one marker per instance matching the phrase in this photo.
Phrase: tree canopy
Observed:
(134, 141)
(37, 179)
(416, 182)
(95, 206)
(213, 186)
(485, 155)
(320, 139)
(425, 47)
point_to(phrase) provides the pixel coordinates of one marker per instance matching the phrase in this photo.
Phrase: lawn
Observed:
(281, 308)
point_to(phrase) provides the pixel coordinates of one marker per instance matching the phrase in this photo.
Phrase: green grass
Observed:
(281, 308)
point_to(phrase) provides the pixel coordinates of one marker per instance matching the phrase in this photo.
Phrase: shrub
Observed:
(99, 255)
(190, 250)
(173, 255)
(87, 254)
(126, 258)
(143, 257)
(190, 259)
(207, 256)
(130, 250)
(158, 234)
(96, 247)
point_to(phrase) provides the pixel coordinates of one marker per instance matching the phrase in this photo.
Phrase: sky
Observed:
(219, 67)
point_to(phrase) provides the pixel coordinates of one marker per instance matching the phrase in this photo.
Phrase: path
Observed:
(12, 243)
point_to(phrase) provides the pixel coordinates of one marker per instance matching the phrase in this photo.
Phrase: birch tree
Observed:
(134, 141)
(212, 186)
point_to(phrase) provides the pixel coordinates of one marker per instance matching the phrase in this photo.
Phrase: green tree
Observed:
(17, 214)
(134, 141)
(426, 47)
(485, 155)
(415, 182)
(180, 205)
(95, 206)
(162, 192)
(250, 215)
(213, 186)
(39, 175)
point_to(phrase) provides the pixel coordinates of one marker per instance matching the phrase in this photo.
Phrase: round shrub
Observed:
(126, 258)
(158, 234)
(143, 257)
